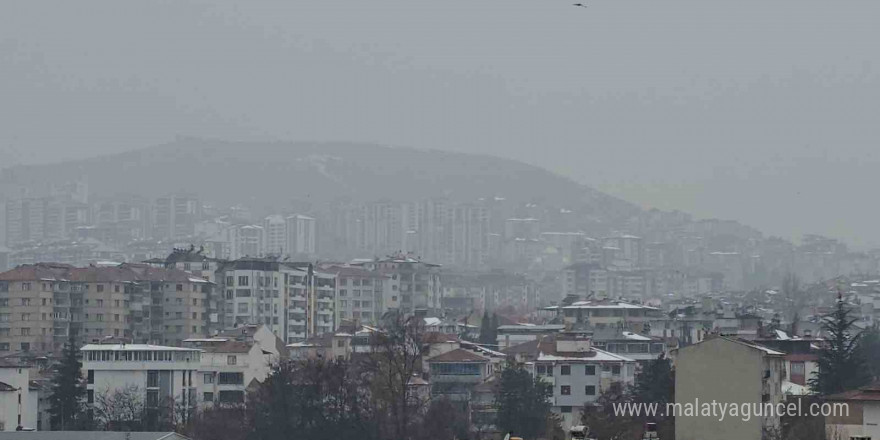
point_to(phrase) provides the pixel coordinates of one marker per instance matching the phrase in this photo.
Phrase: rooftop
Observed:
(459, 355)
(134, 347)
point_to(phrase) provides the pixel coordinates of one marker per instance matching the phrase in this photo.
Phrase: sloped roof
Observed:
(458, 355)
(228, 347)
(5, 387)
(869, 393)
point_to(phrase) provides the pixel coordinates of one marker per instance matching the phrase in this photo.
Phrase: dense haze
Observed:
(764, 112)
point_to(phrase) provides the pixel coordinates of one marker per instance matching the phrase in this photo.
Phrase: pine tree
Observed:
(522, 403)
(842, 365)
(485, 325)
(869, 346)
(67, 403)
(494, 329)
(656, 382)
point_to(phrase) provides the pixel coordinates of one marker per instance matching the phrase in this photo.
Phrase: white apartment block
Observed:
(300, 234)
(580, 373)
(228, 367)
(274, 236)
(165, 375)
(293, 300)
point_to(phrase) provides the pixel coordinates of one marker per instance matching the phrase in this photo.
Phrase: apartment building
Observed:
(42, 305)
(579, 373)
(293, 300)
(300, 235)
(415, 284)
(730, 370)
(227, 367)
(608, 314)
(454, 374)
(360, 293)
(175, 216)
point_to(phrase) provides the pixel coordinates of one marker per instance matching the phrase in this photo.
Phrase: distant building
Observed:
(301, 235)
(175, 216)
(415, 284)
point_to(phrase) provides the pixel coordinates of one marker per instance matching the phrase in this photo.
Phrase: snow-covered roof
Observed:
(636, 336)
(600, 356)
(606, 305)
(134, 347)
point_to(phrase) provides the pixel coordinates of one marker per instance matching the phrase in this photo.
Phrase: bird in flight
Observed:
(581, 5)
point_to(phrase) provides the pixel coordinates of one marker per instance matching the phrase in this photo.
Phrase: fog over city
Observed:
(677, 104)
(447, 220)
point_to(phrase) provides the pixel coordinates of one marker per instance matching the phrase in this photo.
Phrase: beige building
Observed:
(42, 305)
(726, 371)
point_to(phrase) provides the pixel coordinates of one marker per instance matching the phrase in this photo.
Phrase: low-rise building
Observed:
(454, 374)
(165, 376)
(858, 414)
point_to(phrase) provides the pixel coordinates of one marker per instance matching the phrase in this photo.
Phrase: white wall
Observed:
(9, 406)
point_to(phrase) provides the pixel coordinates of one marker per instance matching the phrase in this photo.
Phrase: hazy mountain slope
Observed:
(271, 174)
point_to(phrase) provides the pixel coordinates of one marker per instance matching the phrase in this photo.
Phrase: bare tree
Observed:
(396, 355)
(122, 409)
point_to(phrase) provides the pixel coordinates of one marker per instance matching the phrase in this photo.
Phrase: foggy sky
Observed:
(760, 111)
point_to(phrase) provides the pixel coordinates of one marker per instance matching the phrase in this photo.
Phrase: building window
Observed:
(590, 390)
(208, 378)
(615, 370)
(231, 360)
(565, 390)
(152, 379)
(90, 396)
(565, 409)
(565, 370)
(25, 346)
(231, 379)
(208, 397)
(590, 370)
(100, 288)
(243, 280)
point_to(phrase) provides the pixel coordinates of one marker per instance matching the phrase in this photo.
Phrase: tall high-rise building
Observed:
(176, 215)
(300, 231)
(275, 235)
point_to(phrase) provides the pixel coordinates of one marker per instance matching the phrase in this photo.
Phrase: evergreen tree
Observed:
(485, 325)
(656, 383)
(522, 403)
(494, 329)
(842, 365)
(869, 347)
(67, 403)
